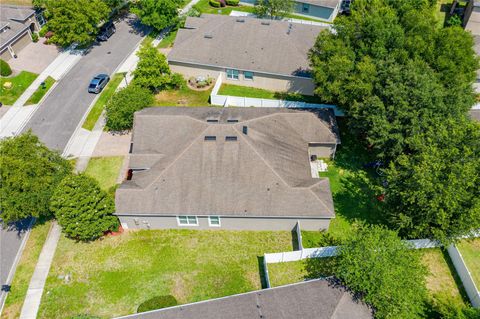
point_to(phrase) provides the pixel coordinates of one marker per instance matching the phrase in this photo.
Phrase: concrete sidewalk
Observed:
(18, 115)
(39, 277)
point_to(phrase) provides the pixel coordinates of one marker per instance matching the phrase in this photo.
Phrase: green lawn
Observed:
(111, 277)
(204, 7)
(150, 37)
(167, 41)
(183, 97)
(245, 91)
(470, 250)
(99, 105)
(20, 83)
(24, 272)
(40, 92)
(105, 170)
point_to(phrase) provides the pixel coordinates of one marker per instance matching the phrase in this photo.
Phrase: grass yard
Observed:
(244, 91)
(204, 7)
(99, 105)
(183, 97)
(168, 40)
(24, 272)
(40, 92)
(20, 83)
(470, 250)
(111, 277)
(105, 170)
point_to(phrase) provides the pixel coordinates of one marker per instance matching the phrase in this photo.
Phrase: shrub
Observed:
(222, 3)
(82, 208)
(5, 69)
(157, 303)
(122, 105)
(233, 2)
(34, 37)
(214, 3)
(43, 31)
(177, 81)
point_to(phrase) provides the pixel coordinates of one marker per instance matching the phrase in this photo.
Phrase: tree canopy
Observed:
(375, 263)
(29, 173)
(83, 209)
(159, 14)
(274, 8)
(400, 79)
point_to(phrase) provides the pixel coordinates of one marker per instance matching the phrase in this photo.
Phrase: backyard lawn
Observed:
(41, 91)
(19, 82)
(204, 7)
(111, 277)
(245, 91)
(105, 170)
(24, 272)
(183, 97)
(102, 100)
(470, 250)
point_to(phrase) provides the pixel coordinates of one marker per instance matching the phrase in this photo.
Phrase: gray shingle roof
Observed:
(332, 4)
(475, 114)
(265, 172)
(315, 299)
(11, 21)
(277, 48)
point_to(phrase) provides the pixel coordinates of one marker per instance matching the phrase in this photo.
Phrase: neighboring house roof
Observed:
(264, 173)
(475, 114)
(332, 4)
(12, 25)
(245, 43)
(314, 299)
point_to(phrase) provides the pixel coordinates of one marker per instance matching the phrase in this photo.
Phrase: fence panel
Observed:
(465, 276)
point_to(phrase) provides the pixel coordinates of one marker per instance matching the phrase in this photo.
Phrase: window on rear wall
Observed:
(214, 221)
(187, 220)
(232, 74)
(248, 75)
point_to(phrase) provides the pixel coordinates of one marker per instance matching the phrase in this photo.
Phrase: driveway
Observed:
(35, 57)
(61, 112)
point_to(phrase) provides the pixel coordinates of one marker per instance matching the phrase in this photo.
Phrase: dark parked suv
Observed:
(98, 83)
(106, 31)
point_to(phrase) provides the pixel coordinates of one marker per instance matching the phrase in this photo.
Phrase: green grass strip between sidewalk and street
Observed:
(41, 91)
(104, 97)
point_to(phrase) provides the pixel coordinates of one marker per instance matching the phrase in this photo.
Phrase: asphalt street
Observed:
(59, 115)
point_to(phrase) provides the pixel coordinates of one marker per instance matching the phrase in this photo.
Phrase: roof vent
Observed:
(230, 138)
(210, 138)
(208, 36)
(212, 121)
(245, 130)
(232, 121)
(240, 20)
(265, 23)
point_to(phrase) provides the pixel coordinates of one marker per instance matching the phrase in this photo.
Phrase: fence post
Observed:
(299, 235)
(265, 271)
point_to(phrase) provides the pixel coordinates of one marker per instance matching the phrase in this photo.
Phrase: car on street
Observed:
(106, 31)
(98, 83)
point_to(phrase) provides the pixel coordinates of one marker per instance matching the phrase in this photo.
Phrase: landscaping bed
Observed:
(113, 276)
(470, 250)
(19, 82)
(24, 271)
(41, 91)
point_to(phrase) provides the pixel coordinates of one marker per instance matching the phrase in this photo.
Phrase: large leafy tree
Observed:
(29, 173)
(375, 263)
(274, 8)
(152, 70)
(159, 14)
(82, 208)
(74, 20)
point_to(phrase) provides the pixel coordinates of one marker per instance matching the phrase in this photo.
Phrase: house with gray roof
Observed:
(16, 26)
(228, 168)
(267, 54)
(314, 299)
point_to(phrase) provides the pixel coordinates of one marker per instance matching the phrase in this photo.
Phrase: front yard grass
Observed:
(470, 250)
(40, 92)
(245, 91)
(111, 277)
(102, 100)
(105, 170)
(204, 7)
(20, 83)
(168, 40)
(183, 97)
(25, 268)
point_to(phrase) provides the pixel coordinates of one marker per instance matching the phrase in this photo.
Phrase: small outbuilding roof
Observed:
(315, 299)
(245, 43)
(227, 162)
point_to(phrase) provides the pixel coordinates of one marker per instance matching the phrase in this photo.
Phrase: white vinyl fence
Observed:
(465, 276)
(238, 101)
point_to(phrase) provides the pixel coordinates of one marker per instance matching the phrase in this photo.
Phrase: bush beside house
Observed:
(5, 69)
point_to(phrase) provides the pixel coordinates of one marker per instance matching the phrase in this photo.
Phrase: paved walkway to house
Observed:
(37, 283)
(35, 57)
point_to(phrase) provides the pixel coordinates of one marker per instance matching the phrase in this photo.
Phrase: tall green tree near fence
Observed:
(159, 14)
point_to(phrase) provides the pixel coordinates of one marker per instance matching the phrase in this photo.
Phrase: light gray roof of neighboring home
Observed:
(332, 4)
(258, 45)
(314, 299)
(475, 114)
(11, 15)
(15, 13)
(264, 173)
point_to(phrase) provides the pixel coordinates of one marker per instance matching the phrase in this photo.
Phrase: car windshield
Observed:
(92, 85)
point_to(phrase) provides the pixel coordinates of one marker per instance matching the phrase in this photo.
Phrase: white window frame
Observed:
(188, 224)
(248, 79)
(214, 225)
(233, 71)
